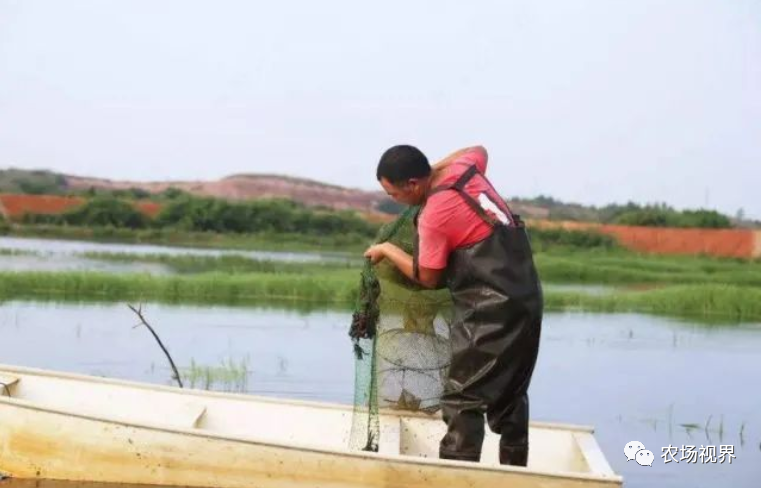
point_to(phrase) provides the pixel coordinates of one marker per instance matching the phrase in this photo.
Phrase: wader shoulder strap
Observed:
(416, 247)
(459, 187)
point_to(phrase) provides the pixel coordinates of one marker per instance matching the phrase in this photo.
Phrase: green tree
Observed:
(259, 216)
(104, 211)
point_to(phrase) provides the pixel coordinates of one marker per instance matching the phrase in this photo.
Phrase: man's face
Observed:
(410, 192)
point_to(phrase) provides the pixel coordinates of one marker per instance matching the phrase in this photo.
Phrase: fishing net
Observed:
(401, 340)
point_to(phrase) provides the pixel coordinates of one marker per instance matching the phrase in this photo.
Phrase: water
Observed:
(579, 288)
(285, 351)
(632, 377)
(64, 249)
(62, 262)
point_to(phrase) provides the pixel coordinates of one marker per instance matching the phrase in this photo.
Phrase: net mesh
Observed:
(401, 340)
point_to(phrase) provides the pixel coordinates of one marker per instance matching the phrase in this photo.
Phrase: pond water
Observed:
(65, 248)
(632, 377)
(73, 262)
(579, 288)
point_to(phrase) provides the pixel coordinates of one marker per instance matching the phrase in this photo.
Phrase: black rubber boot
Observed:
(473, 457)
(513, 455)
(465, 428)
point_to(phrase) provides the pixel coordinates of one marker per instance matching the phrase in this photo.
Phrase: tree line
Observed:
(197, 214)
(652, 215)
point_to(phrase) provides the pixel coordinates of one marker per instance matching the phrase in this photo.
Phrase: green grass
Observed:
(559, 266)
(16, 252)
(702, 288)
(337, 289)
(231, 264)
(209, 288)
(542, 239)
(229, 375)
(706, 303)
(621, 267)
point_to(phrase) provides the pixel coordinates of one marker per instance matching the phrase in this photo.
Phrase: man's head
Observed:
(403, 171)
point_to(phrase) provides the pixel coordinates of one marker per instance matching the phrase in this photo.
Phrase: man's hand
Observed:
(376, 253)
(429, 278)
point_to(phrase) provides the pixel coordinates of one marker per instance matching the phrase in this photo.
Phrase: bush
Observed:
(4, 225)
(708, 219)
(543, 239)
(36, 182)
(42, 219)
(106, 212)
(649, 217)
(173, 193)
(194, 214)
(260, 216)
(663, 216)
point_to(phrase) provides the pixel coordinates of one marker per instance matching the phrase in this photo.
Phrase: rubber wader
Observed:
(494, 336)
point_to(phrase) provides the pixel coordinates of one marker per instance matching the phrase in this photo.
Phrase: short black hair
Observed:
(401, 163)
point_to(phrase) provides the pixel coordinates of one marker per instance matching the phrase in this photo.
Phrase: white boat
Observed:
(72, 427)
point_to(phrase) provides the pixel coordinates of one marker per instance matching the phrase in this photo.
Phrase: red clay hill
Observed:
(250, 186)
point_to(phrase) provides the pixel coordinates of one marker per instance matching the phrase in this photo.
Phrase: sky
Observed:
(593, 102)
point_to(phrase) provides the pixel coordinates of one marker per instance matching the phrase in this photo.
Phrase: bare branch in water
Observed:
(139, 312)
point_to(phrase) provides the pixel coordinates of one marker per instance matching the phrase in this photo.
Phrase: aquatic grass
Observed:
(708, 427)
(17, 252)
(230, 375)
(629, 268)
(338, 288)
(209, 288)
(232, 264)
(707, 303)
(600, 265)
(569, 267)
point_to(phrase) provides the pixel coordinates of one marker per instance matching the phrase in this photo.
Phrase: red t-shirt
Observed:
(447, 222)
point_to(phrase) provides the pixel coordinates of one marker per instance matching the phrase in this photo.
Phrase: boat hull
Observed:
(44, 443)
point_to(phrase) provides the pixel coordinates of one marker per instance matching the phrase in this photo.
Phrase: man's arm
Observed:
(428, 278)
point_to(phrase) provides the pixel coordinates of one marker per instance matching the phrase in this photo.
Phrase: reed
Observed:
(628, 268)
(231, 264)
(230, 375)
(704, 302)
(208, 288)
(337, 289)
(558, 266)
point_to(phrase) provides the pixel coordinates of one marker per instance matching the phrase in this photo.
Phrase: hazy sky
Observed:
(589, 101)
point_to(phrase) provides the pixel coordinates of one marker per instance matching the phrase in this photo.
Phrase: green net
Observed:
(401, 340)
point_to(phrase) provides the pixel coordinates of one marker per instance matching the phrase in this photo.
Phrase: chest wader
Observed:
(494, 337)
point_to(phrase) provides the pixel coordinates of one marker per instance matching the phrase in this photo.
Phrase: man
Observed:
(469, 239)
